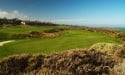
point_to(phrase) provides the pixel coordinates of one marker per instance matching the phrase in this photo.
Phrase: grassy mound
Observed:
(70, 39)
(98, 60)
(21, 32)
(106, 47)
(77, 62)
(113, 49)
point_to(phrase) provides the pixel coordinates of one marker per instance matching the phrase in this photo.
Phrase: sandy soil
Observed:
(4, 42)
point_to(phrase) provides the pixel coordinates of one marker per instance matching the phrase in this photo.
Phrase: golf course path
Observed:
(4, 42)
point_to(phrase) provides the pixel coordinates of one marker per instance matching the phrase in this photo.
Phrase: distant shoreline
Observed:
(121, 28)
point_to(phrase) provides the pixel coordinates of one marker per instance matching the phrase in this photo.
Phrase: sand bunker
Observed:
(4, 42)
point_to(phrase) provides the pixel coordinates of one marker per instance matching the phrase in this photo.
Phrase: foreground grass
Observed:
(76, 62)
(69, 40)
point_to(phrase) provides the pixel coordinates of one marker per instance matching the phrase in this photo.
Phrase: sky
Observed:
(76, 12)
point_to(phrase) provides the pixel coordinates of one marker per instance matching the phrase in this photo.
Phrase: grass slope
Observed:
(24, 29)
(5, 33)
(69, 40)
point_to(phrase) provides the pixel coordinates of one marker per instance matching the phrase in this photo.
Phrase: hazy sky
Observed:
(81, 12)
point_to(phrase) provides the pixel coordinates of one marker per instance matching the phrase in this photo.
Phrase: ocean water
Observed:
(121, 28)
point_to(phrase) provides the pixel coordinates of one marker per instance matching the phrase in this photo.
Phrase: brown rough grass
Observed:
(100, 59)
(119, 69)
(107, 47)
(76, 62)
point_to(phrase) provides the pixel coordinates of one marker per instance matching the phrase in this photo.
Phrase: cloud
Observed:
(13, 14)
(69, 21)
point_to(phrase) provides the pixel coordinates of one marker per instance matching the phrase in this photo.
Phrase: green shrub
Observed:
(19, 36)
(5, 36)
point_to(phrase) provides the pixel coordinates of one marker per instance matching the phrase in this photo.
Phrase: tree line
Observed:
(16, 21)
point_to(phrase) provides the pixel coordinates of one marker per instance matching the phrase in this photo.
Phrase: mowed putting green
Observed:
(70, 39)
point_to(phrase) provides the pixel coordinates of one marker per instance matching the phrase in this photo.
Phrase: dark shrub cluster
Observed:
(78, 62)
(13, 65)
(4, 36)
(35, 34)
(54, 30)
(17, 64)
(19, 36)
(102, 30)
(32, 34)
(121, 36)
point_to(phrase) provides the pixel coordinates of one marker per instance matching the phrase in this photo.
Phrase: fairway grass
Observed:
(71, 39)
(6, 33)
(24, 29)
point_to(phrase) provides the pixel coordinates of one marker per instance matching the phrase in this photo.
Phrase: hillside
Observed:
(42, 50)
(70, 38)
(71, 62)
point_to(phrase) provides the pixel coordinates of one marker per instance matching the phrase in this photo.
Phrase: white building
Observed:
(23, 23)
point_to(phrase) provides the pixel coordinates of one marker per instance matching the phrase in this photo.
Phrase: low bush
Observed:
(106, 47)
(119, 69)
(13, 65)
(78, 62)
(19, 36)
(54, 30)
(121, 52)
(35, 34)
(121, 36)
(4, 36)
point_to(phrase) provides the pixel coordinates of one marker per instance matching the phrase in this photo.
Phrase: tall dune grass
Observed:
(77, 62)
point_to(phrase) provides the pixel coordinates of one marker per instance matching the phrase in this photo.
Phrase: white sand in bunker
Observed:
(4, 42)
